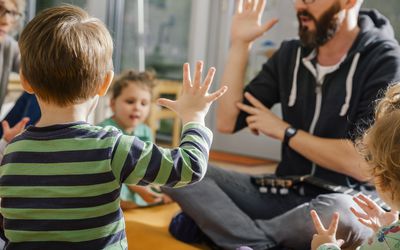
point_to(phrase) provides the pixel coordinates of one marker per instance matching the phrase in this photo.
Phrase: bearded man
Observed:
(327, 82)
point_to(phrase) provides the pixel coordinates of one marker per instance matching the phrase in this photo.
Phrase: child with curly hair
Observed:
(131, 98)
(380, 146)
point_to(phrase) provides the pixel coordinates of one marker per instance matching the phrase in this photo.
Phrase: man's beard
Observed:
(325, 28)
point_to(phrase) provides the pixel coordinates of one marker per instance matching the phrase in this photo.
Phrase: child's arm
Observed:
(145, 163)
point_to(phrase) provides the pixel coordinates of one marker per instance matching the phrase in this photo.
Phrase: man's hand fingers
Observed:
(260, 6)
(248, 109)
(268, 25)
(256, 103)
(239, 6)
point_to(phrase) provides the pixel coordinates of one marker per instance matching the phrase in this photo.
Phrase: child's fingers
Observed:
(21, 125)
(361, 204)
(367, 223)
(197, 74)
(358, 214)
(5, 125)
(367, 205)
(340, 242)
(334, 224)
(217, 94)
(317, 222)
(370, 203)
(167, 103)
(208, 80)
(186, 77)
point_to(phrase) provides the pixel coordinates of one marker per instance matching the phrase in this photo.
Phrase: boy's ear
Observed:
(106, 83)
(25, 84)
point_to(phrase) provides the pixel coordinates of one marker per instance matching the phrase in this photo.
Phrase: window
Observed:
(156, 35)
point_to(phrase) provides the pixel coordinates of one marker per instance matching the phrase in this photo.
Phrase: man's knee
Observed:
(350, 229)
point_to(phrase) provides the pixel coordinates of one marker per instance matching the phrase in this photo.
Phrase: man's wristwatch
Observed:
(289, 133)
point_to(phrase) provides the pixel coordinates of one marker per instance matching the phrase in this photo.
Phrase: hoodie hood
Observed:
(374, 29)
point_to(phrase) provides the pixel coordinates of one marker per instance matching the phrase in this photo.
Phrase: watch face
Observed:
(291, 131)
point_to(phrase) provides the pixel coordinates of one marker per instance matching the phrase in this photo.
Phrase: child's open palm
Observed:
(194, 101)
(374, 216)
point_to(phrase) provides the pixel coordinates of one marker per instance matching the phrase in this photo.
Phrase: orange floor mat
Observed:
(147, 228)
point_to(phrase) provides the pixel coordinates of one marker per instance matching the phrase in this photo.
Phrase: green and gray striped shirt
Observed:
(60, 185)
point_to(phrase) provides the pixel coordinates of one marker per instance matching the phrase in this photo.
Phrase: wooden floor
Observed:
(241, 163)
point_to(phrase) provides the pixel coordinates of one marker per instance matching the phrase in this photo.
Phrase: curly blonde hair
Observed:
(144, 79)
(380, 144)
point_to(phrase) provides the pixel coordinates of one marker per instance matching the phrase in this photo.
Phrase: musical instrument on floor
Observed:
(283, 185)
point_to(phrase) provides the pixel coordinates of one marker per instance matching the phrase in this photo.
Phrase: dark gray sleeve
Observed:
(264, 87)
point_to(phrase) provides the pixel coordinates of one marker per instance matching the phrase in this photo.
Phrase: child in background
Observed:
(381, 149)
(131, 99)
(60, 179)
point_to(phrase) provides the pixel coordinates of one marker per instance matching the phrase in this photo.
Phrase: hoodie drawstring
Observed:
(293, 91)
(349, 85)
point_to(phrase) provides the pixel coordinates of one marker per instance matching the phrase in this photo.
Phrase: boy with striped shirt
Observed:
(60, 180)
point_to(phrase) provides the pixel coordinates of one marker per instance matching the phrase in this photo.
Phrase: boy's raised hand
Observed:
(194, 102)
(324, 235)
(374, 216)
(10, 133)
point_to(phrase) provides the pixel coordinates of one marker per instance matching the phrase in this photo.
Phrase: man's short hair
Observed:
(65, 55)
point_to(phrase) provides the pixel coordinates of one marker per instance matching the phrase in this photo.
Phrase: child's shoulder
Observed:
(109, 124)
(104, 127)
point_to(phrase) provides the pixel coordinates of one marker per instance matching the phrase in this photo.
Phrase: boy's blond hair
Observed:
(65, 55)
(144, 79)
(381, 143)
